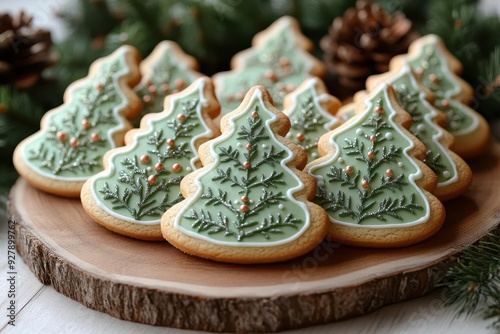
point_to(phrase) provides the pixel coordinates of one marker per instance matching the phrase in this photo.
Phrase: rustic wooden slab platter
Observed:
(153, 283)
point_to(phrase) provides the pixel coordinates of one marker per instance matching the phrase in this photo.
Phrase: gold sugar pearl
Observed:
(271, 75)
(74, 142)
(95, 137)
(165, 88)
(433, 78)
(284, 61)
(159, 167)
(379, 110)
(145, 158)
(180, 83)
(176, 167)
(62, 136)
(152, 179)
(152, 89)
(86, 124)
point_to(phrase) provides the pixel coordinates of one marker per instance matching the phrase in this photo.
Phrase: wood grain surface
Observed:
(154, 283)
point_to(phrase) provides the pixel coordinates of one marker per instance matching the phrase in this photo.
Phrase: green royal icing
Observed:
(267, 58)
(411, 100)
(387, 200)
(96, 102)
(433, 63)
(271, 215)
(125, 191)
(166, 72)
(309, 121)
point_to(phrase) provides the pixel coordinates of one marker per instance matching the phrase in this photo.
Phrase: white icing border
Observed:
(429, 118)
(256, 95)
(450, 95)
(111, 167)
(411, 177)
(119, 54)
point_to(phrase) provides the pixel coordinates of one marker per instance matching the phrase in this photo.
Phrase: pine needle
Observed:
(473, 284)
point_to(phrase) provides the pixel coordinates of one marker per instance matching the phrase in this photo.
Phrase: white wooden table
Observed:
(40, 309)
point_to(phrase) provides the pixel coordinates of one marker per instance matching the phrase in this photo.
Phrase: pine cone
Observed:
(363, 41)
(24, 51)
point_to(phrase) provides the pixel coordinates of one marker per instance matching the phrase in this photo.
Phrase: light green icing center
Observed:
(278, 64)
(308, 123)
(377, 190)
(68, 149)
(408, 95)
(125, 190)
(167, 71)
(444, 87)
(220, 211)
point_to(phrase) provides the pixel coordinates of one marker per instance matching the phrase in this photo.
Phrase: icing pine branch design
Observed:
(412, 97)
(74, 137)
(167, 70)
(249, 203)
(245, 178)
(73, 143)
(368, 181)
(142, 180)
(278, 60)
(437, 70)
(375, 193)
(311, 110)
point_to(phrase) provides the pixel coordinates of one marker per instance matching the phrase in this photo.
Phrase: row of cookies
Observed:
(135, 187)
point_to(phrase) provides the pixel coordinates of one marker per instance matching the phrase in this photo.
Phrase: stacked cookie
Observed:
(285, 167)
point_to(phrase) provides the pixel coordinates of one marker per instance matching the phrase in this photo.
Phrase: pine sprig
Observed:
(473, 283)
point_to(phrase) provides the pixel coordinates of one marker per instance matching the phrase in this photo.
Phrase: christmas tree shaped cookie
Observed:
(375, 191)
(454, 175)
(250, 201)
(74, 137)
(165, 71)
(437, 70)
(311, 111)
(141, 180)
(278, 60)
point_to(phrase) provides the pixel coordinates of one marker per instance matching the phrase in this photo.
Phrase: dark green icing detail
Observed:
(259, 63)
(387, 199)
(409, 98)
(308, 122)
(270, 215)
(126, 190)
(96, 105)
(166, 70)
(444, 86)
